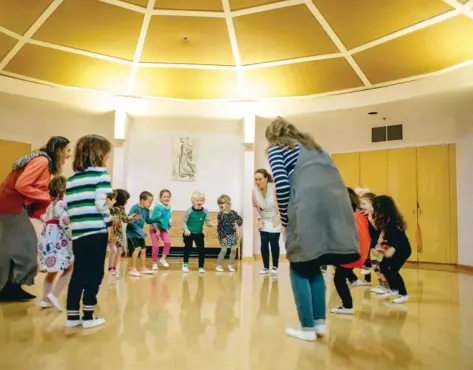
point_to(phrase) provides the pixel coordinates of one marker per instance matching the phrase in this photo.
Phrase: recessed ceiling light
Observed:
(372, 113)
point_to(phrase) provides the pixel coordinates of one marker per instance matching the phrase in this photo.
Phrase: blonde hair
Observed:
(197, 194)
(225, 199)
(361, 191)
(286, 135)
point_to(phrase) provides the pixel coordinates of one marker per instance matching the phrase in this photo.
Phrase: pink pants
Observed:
(155, 241)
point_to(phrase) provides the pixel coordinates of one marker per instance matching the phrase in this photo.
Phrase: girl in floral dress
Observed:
(55, 246)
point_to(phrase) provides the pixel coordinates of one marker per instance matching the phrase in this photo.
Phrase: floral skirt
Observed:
(55, 252)
(18, 242)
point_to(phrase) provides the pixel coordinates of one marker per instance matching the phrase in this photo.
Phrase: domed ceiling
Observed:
(231, 49)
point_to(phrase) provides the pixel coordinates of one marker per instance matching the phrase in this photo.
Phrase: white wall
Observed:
(149, 161)
(465, 191)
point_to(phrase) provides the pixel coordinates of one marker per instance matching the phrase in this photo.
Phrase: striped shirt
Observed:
(86, 198)
(282, 162)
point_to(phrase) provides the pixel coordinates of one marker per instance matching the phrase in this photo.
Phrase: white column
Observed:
(119, 157)
(248, 183)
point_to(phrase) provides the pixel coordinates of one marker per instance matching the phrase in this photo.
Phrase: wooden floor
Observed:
(225, 322)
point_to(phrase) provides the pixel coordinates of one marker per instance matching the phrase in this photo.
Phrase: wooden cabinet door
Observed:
(402, 186)
(433, 194)
(452, 152)
(349, 166)
(374, 171)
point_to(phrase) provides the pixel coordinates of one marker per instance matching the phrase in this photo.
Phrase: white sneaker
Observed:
(320, 327)
(231, 268)
(274, 271)
(163, 262)
(155, 267)
(304, 334)
(55, 302)
(378, 290)
(73, 323)
(219, 269)
(263, 271)
(389, 294)
(112, 272)
(342, 310)
(201, 270)
(134, 273)
(117, 274)
(401, 299)
(89, 324)
(355, 284)
(146, 271)
(185, 268)
(365, 271)
(44, 304)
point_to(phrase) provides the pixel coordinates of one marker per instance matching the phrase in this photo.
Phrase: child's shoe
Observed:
(304, 334)
(185, 268)
(219, 269)
(145, 271)
(155, 267)
(231, 268)
(343, 311)
(164, 262)
(401, 299)
(201, 270)
(89, 324)
(44, 304)
(134, 272)
(55, 301)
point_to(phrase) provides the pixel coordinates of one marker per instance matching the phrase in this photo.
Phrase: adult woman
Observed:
(314, 205)
(269, 224)
(24, 194)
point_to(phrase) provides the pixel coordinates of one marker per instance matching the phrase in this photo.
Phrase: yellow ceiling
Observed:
(259, 49)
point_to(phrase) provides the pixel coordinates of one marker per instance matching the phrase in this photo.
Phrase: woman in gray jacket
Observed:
(316, 216)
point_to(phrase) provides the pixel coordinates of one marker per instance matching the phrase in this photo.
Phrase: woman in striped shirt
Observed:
(86, 197)
(315, 209)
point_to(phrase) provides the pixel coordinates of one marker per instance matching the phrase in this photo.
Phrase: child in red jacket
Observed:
(344, 272)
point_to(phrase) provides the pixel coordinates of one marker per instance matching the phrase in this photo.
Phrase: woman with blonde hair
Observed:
(317, 218)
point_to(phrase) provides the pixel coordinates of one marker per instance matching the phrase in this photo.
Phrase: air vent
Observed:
(378, 134)
(386, 133)
(395, 132)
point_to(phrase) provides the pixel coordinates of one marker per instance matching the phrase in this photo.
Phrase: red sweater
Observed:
(365, 241)
(27, 186)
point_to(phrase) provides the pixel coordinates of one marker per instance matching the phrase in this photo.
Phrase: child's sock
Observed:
(73, 315)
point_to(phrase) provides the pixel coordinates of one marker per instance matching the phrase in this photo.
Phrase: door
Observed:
(11, 151)
(402, 186)
(349, 166)
(374, 171)
(433, 194)
(452, 153)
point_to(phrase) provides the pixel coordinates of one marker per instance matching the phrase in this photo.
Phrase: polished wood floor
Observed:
(224, 321)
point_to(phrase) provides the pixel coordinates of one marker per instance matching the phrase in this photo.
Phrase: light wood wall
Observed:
(422, 181)
(211, 239)
(10, 151)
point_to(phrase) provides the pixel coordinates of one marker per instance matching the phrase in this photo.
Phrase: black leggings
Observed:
(390, 267)
(199, 243)
(343, 274)
(268, 239)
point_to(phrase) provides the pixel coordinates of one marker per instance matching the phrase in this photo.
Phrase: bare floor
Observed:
(225, 322)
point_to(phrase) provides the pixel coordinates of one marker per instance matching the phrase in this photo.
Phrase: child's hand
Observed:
(187, 232)
(214, 223)
(276, 221)
(136, 217)
(172, 223)
(224, 240)
(235, 226)
(260, 224)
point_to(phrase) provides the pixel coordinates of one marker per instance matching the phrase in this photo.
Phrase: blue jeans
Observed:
(309, 294)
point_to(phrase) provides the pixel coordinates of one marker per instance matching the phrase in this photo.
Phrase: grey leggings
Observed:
(223, 252)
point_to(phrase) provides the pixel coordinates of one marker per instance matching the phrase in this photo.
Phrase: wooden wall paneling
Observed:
(374, 171)
(10, 152)
(349, 166)
(452, 153)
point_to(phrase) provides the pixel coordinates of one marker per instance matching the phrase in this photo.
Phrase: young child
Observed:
(86, 198)
(116, 243)
(54, 245)
(162, 213)
(193, 225)
(228, 222)
(136, 235)
(396, 247)
(344, 272)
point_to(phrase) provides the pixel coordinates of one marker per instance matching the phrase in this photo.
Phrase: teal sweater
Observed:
(162, 215)
(194, 220)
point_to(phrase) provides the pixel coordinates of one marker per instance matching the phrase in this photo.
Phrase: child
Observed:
(86, 198)
(227, 229)
(193, 225)
(54, 245)
(162, 213)
(344, 272)
(116, 243)
(396, 246)
(136, 235)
